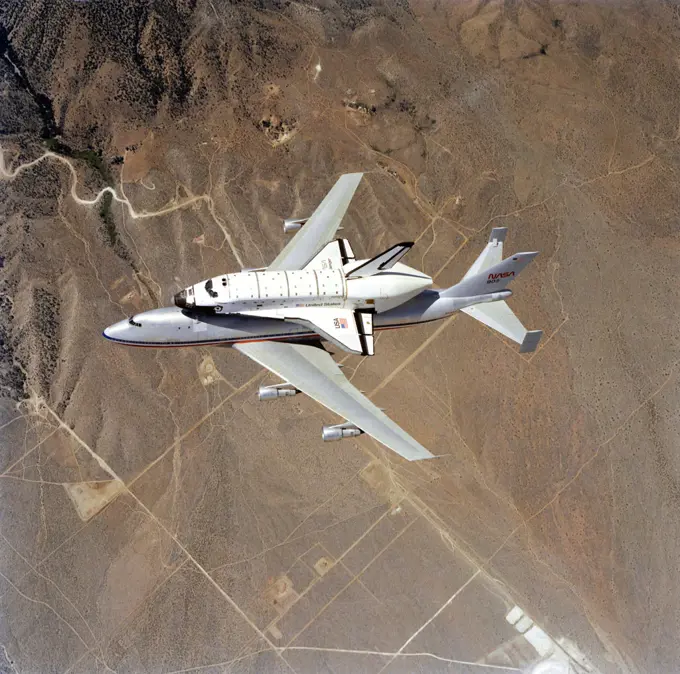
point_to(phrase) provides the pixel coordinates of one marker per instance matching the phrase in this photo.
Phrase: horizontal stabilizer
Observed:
(381, 262)
(531, 340)
(500, 317)
(492, 279)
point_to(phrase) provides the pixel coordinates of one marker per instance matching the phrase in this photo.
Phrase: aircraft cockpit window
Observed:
(132, 321)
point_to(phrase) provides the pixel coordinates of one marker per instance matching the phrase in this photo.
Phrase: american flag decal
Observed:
(340, 323)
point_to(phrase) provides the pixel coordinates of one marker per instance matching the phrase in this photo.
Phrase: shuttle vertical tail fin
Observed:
(381, 262)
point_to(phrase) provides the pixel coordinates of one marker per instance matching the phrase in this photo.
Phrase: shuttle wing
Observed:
(312, 370)
(334, 255)
(321, 226)
(348, 329)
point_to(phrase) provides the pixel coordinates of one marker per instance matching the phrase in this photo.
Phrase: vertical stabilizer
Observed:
(492, 279)
(492, 253)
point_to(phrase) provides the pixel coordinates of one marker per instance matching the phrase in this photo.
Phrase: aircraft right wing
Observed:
(320, 228)
(312, 370)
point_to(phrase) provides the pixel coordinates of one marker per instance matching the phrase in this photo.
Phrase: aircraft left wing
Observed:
(312, 370)
(320, 228)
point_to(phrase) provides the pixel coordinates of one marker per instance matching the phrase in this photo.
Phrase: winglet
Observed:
(530, 341)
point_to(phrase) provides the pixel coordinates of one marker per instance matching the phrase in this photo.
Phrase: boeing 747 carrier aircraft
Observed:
(316, 290)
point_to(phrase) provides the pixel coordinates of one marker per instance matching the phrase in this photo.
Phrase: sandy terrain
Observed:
(154, 517)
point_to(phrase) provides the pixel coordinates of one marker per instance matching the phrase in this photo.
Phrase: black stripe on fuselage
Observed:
(255, 338)
(400, 273)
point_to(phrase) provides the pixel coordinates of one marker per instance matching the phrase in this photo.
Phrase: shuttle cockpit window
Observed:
(209, 288)
(132, 321)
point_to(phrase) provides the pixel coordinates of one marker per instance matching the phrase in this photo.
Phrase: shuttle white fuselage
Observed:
(269, 291)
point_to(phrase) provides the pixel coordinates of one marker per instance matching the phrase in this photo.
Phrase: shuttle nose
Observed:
(181, 299)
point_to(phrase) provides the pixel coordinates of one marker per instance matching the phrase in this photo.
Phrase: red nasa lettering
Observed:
(495, 278)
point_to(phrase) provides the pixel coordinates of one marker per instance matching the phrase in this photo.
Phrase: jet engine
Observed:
(276, 391)
(292, 225)
(340, 431)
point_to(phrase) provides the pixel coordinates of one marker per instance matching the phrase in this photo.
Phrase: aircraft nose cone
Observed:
(181, 299)
(116, 331)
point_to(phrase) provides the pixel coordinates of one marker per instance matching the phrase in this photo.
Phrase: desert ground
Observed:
(155, 517)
